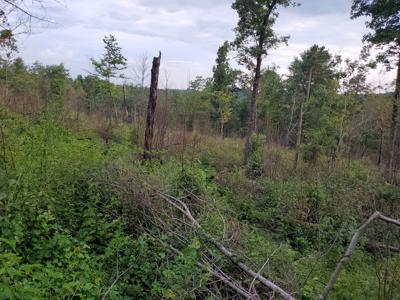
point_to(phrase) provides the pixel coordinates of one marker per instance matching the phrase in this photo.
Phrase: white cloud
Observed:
(188, 32)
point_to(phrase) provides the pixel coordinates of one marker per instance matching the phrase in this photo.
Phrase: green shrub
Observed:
(255, 163)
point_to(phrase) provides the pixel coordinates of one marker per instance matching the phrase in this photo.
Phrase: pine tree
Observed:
(384, 23)
(254, 38)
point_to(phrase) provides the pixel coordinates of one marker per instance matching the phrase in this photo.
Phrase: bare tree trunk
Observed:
(299, 137)
(253, 110)
(289, 128)
(339, 146)
(393, 128)
(148, 141)
(380, 148)
(222, 128)
(301, 120)
(125, 102)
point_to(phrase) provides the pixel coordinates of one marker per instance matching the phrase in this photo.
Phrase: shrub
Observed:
(255, 163)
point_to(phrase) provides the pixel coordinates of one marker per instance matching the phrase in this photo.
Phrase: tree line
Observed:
(323, 107)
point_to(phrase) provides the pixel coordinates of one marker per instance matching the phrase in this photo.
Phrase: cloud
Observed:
(188, 32)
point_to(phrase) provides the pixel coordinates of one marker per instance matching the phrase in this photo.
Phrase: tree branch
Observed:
(215, 272)
(27, 13)
(350, 250)
(182, 207)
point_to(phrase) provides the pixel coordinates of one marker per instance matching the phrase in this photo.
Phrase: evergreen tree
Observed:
(223, 75)
(384, 23)
(313, 69)
(254, 38)
(222, 86)
(113, 62)
(107, 68)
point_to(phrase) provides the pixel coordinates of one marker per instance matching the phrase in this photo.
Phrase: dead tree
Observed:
(351, 247)
(151, 109)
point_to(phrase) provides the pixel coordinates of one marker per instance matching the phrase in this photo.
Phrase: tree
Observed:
(113, 62)
(274, 105)
(254, 38)
(110, 67)
(8, 46)
(353, 87)
(223, 102)
(313, 68)
(142, 70)
(384, 23)
(223, 75)
(222, 84)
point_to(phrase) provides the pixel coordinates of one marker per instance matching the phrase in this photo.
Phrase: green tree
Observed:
(384, 23)
(223, 102)
(109, 67)
(223, 75)
(254, 38)
(8, 46)
(274, 104)
(51, 82)
(314, 68)
(222, 85)
(112, 62)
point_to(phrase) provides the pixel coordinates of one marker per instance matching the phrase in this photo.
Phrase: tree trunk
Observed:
(340, 143)
(222, 129)
(299, 135)
(289, 128)
(126, 108)
(301, 120)
(151, 109)
(256, 84)
(253, 109)
(393, 128)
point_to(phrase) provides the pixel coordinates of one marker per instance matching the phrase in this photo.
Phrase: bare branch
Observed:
(27, 13)
(263, 267)
(181, 206)
(350, 250)
(216, 272)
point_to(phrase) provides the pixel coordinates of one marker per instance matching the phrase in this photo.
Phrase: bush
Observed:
(255, 163)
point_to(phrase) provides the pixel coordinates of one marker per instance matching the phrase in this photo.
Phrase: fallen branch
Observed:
(263, 267)
(182, 207)
(217, 273)
(350, 250)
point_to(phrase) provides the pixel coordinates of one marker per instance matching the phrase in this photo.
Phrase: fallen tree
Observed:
(350, 249)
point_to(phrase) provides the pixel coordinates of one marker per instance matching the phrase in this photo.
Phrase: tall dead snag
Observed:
(151, 109)
(350, 250)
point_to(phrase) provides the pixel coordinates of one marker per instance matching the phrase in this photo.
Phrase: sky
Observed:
(188, 32)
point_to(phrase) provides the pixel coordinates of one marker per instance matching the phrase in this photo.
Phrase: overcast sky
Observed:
(188, 32)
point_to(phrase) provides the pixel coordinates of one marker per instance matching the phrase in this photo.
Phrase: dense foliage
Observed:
(75, 219)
